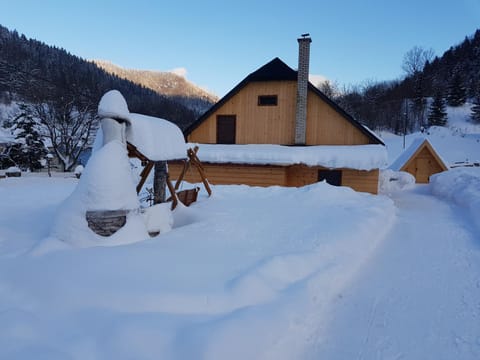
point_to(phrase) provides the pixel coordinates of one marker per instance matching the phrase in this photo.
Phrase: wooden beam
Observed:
(144, 175)
(172, 192)
(186, 166)
(134, 152)
(198, 164)
(204, 180)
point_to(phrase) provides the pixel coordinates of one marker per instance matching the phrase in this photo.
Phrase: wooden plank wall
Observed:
(300, 175)
(326, 126)
(358, 180)
(422, 166)
(224, 174)
(257, 175)
(256, 124)
(276, 124)
(361, 180)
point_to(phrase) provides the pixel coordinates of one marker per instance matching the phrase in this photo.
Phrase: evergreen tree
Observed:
(457, 93)
(475, 115)
(28, 150)
(437, 115)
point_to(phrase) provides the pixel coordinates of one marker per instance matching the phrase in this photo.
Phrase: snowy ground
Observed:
(276, 273)
(256, 273)
(236, 277)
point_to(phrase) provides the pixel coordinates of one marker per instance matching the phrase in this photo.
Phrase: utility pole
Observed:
(405, 119)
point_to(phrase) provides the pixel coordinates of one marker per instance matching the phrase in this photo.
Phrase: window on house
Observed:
(333, 177)
(226, 128)
(267, 100)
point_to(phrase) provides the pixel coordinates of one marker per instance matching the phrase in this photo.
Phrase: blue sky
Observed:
(221, 42)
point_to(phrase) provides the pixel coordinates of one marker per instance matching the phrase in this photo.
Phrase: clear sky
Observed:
(219, 43)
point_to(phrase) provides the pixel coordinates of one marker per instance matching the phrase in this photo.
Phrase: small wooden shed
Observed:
(421, 160)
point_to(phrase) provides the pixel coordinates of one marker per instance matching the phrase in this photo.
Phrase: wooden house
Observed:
(278, 108)
(421, 160)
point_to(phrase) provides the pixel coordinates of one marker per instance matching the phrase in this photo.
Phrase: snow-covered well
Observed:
(105, 199)
(106, 184)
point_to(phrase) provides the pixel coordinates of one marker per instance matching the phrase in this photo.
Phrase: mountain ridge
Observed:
(164, 83)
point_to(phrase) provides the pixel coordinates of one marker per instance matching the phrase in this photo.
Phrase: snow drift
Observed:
(461, 185)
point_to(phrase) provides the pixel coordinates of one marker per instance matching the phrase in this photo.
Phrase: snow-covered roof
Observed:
(156, 138)
(360, 157)
(405, 156)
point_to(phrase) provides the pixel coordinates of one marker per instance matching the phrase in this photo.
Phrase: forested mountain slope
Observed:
(34, 72)
(405, 104)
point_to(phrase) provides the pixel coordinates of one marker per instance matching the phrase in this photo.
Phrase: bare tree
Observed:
(415, 59)
(414, 62)
(68, 127)
(330, 89)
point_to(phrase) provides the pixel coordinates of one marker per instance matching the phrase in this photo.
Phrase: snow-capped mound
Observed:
(107, 182)
(462, 185)
(391, 181)
(113, 105)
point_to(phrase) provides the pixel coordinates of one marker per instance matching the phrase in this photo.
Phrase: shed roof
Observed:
(411, 152)
(277, 70)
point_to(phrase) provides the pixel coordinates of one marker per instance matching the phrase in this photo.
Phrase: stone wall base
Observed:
(106, 222)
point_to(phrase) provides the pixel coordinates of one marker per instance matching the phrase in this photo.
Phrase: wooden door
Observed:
(226, 129)
(423, 170)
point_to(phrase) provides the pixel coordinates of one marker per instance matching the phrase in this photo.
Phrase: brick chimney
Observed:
(302, 88)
